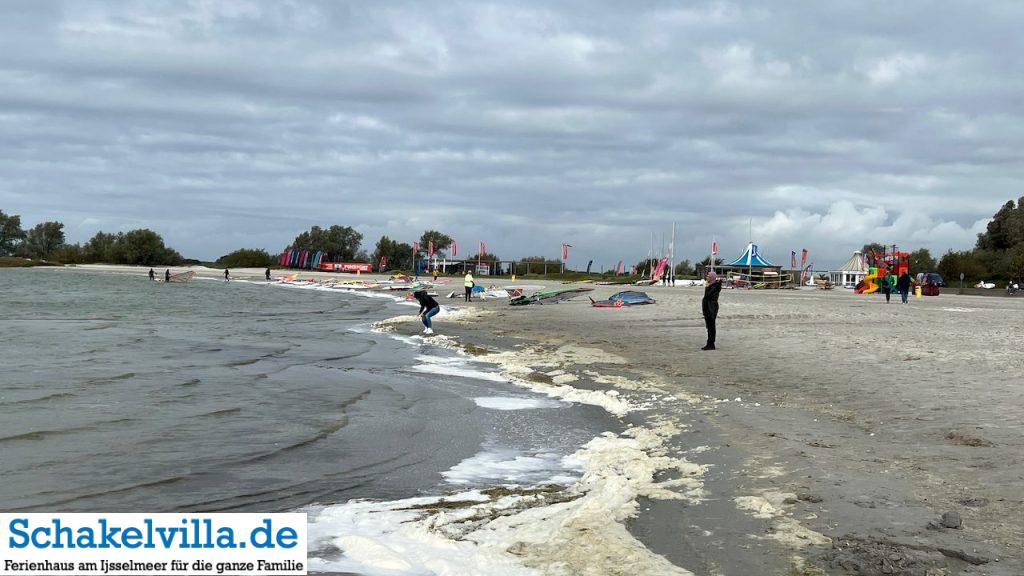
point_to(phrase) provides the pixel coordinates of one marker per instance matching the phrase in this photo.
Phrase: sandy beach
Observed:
(839, 429)
(829, 433)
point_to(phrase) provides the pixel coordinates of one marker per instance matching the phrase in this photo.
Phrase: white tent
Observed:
(851, 273)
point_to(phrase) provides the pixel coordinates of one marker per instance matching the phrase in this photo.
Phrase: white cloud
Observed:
(892, 68)
(831, 235)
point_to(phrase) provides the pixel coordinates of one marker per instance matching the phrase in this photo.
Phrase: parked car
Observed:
(931, 278)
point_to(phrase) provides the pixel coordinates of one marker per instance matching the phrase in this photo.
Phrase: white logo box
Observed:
(136, 544)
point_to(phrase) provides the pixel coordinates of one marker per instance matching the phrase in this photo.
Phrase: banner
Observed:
(792, 260)
(430, 249)
(803, 258)
(618, 268)
(565, 251)
(346, 266)
(714, 249)
(383, 262)
(480, 255)
(455, 249)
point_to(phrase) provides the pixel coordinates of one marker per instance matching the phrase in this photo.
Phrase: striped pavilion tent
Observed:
(752, 258)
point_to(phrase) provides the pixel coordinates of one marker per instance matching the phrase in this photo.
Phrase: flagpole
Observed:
(672, 256)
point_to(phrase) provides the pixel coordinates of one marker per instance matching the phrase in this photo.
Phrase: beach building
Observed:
(851, 273)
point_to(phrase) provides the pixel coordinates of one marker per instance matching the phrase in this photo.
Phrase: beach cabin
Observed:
(851, 273)
(754, 270)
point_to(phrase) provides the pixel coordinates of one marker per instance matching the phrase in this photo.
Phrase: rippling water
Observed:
(118, 394)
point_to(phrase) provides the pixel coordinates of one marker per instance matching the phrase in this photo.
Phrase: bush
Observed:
(968, 261)
(246, 258)
(1015, 268)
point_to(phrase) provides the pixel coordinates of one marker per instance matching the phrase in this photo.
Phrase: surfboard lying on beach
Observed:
(549, 296)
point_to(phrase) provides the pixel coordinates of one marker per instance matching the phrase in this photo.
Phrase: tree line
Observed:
(998, 253)
(46, 241)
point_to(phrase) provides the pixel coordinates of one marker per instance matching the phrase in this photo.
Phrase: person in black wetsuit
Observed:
(167, 275)
(709, 306)
(227, 275)
(267, 274)
(428, 307)
(152, 275)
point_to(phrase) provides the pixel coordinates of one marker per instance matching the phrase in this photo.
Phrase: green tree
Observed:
(398, 254)
(922, 261)
(69, 254)
(246, 258)
(11, 233)
(43, 240)
(701, 268)
(101, 248)
(536, 264)
(485, 257)
(441, 242)
(1006, 229)
(1015, 268)
(869, 250)
(684, 268)
(146, 248)
(967, 261)
(341, 243)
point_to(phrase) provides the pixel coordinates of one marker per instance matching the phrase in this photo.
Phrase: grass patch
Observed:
(13, 262)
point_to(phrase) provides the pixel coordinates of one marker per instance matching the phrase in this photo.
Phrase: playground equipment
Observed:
(880, 265)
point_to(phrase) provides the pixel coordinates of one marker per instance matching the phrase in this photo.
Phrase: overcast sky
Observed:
(239, 124)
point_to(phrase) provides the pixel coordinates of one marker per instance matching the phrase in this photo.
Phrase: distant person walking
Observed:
(469, 284)
(227, 275)
(167, 275)
(709, 306)
(903, 285)
(152, 275)
(267, 274)
(888, 283)
(428, 307)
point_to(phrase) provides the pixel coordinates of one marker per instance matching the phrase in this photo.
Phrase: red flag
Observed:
(415, 251)
(803, 258)
(618, 268)
(792, 260)
(383, 261)
(714, 248)
(430, 250)
(455, 249)
(483, 250)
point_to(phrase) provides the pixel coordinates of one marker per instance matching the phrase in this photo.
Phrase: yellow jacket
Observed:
(469, 281)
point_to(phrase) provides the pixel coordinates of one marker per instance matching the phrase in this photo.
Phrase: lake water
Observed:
(118, 394)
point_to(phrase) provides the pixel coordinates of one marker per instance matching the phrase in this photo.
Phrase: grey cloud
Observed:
(227, 124)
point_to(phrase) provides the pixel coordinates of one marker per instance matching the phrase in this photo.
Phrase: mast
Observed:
(672, 256)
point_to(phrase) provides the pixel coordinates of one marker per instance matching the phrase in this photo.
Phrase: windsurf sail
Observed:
(660, 269)
(549, 296)
(182, 277)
